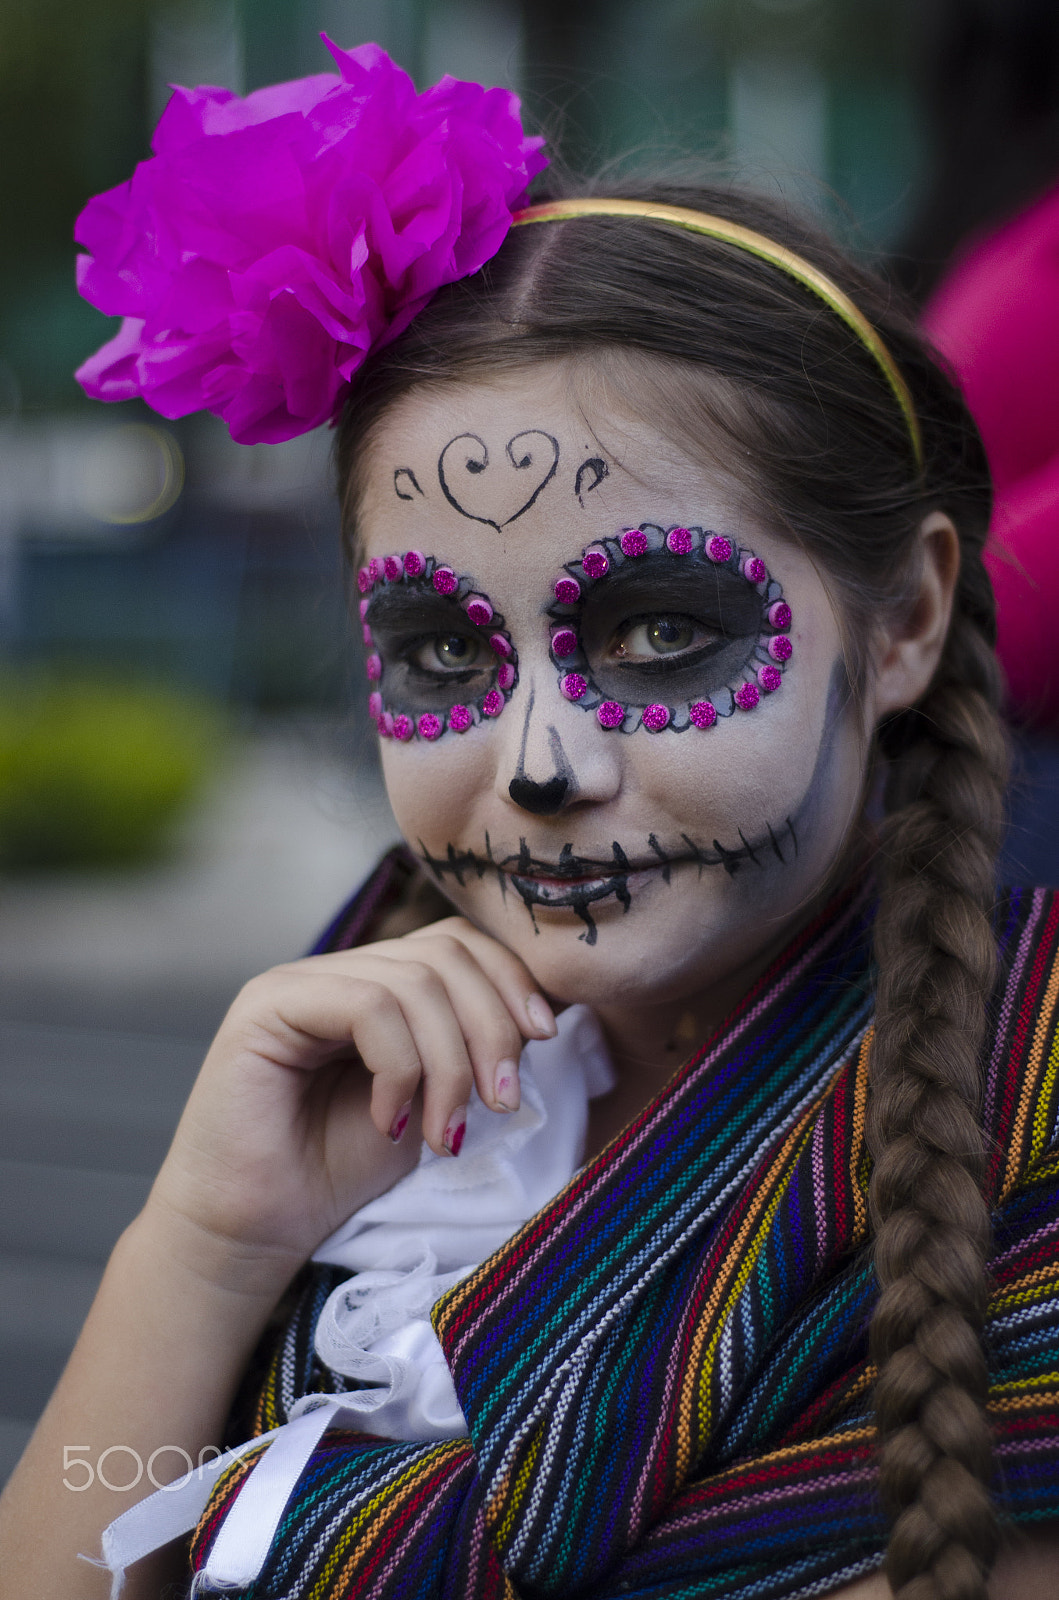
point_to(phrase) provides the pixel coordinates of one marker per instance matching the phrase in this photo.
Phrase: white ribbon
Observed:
(169, 1513)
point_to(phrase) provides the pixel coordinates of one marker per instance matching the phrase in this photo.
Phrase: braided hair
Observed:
(727, 347)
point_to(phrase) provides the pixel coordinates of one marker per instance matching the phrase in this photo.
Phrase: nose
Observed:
(559, 761)
(543, 799)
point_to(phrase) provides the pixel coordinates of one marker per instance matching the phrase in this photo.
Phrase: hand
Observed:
(299, 1113)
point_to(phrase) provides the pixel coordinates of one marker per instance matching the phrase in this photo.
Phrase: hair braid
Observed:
(936, 957)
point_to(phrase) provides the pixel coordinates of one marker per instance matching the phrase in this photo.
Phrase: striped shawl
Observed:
(665, 1372)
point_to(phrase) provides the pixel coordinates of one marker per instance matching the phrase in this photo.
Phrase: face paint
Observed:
(439, 658)
(552, 773)
(672, 628)
(580, 882)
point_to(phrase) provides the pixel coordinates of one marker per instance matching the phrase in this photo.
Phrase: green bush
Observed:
(94, 773)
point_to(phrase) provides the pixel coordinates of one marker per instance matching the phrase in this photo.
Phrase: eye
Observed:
(447, 652)
(665, 634)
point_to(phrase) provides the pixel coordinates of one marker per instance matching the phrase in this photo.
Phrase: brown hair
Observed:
(728, 346)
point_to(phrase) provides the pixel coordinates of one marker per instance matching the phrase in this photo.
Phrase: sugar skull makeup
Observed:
(720, 832)
(439, 659)
(668, 629)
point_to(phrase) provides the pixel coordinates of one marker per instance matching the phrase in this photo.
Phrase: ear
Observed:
(908, 649)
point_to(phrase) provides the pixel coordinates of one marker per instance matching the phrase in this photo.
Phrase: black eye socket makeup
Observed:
(668, 628)
(439, 657)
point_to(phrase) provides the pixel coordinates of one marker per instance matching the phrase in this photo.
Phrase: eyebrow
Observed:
(394, 604)
(737, 604)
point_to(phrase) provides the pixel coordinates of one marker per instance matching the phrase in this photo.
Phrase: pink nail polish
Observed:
(507, 1085)
(454, 1134)
(400, 1122)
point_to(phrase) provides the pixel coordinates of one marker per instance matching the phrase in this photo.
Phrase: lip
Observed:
(546, 880)
(580, 868)
(581, 887)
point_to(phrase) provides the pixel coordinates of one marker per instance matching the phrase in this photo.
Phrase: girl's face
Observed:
(614, 718)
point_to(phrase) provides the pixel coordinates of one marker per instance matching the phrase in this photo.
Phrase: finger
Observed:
(300, 1016)
(447, 1074)
(398, 1015)
(493, 1042)
(510, 976)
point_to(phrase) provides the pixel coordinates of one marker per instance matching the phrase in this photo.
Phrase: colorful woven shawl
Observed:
(665, 1372)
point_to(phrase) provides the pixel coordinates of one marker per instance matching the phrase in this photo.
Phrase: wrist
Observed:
(248, 1276)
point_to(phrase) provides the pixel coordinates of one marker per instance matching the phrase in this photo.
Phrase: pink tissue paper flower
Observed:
(272, 241)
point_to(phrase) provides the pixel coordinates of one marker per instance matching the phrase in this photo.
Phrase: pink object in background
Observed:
(995, 318)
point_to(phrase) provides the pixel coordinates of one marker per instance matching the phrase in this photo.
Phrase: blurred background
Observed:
(187, 790)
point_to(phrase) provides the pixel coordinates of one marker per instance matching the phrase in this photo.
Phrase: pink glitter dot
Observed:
(375, 705)
(445, 580)
(755, 570)
(678, 540)
(564, 641)
(368, 640)
(595, 563)
(655, 718)
(702, 714)
(780, 648)
(363, 580)
(746, 696)
(633, 542)
(480, 611)
(769, 678)
(385, 725)
(567, 591)
(414, 562)
(780, 614)
(493, 703)
(505, 676)
(392, 568)
(500, 645)
(611, 714)
(573, 686)
(363, 605)
(718, 548)
(373, 666)
(460, 719)
(403, 727)
(374, 570)
(429, 725)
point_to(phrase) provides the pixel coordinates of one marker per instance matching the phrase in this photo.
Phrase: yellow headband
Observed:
(758, 245)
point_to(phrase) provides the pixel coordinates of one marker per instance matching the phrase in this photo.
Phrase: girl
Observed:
(741, 1276)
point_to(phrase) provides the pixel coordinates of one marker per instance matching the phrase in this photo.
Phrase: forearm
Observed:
(157, 1365)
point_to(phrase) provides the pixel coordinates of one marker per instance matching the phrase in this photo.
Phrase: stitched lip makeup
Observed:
(577, 882)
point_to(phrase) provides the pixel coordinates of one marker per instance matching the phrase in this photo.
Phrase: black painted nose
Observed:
(543, 799)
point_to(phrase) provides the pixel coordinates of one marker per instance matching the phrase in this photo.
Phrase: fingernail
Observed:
(540, 1014)
(455, 1131)
(507, 1089)
(400, 1122)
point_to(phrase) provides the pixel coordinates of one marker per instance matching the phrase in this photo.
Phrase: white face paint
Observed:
(623, 866)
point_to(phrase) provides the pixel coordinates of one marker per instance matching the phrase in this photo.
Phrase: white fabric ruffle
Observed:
(437, 1224)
